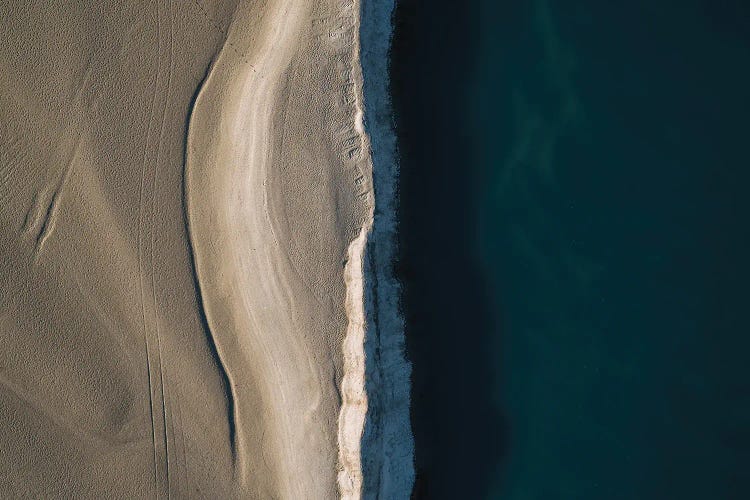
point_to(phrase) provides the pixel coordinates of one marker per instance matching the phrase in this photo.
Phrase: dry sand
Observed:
(181, 184)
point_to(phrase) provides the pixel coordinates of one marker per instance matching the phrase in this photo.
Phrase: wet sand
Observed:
(180, 184)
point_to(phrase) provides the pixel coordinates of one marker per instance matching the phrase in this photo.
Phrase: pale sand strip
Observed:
(354, 402)
(279, 337)
(243, 290)
(354, 398)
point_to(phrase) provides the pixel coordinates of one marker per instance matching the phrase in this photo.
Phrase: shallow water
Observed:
(574, 231)
(387, 448)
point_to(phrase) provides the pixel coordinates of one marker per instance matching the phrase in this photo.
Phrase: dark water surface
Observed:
(574, 246)
(457, 428)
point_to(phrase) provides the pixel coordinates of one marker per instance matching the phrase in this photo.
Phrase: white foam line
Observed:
(353, 395)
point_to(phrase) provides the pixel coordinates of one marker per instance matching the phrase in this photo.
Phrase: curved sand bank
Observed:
(180, 186)
(271, 214)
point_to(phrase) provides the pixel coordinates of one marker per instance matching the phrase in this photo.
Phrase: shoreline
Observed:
(387, 442)
(188, 199)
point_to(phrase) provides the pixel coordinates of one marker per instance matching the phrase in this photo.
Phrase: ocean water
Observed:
(574, 242)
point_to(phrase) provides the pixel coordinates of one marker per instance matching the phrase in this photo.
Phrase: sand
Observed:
(185, 197)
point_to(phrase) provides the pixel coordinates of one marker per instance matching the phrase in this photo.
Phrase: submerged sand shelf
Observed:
(180, 184)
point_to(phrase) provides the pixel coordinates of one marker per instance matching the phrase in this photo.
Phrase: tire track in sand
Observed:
(153, 363)
(165, 410)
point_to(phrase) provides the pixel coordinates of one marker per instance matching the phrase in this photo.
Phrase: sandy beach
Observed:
(185, 196)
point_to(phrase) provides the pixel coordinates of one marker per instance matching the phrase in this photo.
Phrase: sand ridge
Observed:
(262, 307)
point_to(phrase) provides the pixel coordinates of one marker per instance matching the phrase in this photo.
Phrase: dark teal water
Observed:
(614, 222)
(597, 241)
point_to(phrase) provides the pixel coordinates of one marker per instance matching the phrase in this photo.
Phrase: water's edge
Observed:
(387, 449)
